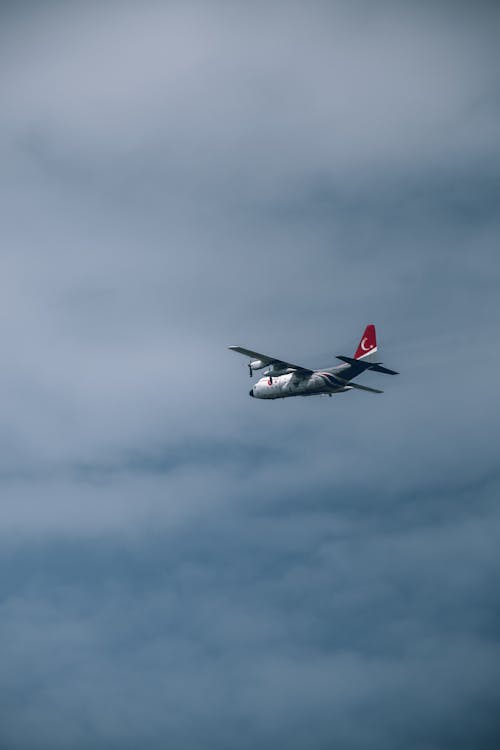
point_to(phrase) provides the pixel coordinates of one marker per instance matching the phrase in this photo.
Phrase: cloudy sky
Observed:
(185, 567)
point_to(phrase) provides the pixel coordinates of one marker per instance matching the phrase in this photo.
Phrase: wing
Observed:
(271, 360)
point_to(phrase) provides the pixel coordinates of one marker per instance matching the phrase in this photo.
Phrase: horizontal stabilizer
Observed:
(385, 370)
(363, 388)
(360, 366)
(375, 366)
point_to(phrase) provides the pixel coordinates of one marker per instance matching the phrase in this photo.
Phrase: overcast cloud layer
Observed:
(183, 566)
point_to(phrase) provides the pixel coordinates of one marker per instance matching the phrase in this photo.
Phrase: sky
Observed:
(182, 566)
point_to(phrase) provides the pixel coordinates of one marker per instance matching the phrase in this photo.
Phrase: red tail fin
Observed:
(368, 343)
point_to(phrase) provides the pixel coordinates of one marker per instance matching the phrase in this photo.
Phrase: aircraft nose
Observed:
(250, 392)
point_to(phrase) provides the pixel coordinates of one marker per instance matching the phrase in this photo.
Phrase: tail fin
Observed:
(368, 343)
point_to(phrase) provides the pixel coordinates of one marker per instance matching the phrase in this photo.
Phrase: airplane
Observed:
(283, 379)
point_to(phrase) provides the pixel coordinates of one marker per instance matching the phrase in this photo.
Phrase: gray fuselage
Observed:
(292, 384)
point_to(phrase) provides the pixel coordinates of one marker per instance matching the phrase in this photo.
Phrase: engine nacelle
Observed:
(257, 364)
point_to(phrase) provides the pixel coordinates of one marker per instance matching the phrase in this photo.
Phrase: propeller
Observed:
(250, 371)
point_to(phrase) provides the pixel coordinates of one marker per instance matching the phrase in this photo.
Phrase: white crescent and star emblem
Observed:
(365, 348)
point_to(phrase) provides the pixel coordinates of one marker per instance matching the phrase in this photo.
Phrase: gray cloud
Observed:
(182, 566)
